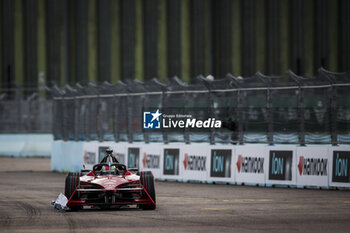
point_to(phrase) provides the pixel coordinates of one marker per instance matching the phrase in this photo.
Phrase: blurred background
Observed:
(70, 41)
(85, 69)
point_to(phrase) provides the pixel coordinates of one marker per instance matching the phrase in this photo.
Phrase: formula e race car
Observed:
(110, 184)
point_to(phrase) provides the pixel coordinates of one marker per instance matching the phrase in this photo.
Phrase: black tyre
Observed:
(72, 182)
(147, 180)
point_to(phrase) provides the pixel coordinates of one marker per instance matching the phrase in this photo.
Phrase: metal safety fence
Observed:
(24, 114)
(257, 109)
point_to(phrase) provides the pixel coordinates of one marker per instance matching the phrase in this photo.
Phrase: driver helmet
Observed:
(109, 151)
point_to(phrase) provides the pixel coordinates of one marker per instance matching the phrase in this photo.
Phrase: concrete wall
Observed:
(20, 145)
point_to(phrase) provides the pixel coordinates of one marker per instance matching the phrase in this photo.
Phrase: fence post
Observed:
(240, 117)
(115, 120)
(64, 137)
(100, 119)
(53, 118)
(20, 114)
(145, 132)
(301, 113)
(211, 110)
(234, 134)
(333, 109)
(165, 134)
(76, 118)
(186, 131)
(129, 119)
(269, 117)
(88, 119)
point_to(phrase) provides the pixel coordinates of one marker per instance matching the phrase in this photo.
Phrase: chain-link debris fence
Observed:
(257, 109)
(24, 114)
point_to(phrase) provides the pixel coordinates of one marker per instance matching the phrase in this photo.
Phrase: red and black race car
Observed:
(110, 184)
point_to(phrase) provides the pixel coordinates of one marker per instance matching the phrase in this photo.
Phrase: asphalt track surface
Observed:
(27, 187)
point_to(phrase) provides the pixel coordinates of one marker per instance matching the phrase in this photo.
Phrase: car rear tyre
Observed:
(147, 180)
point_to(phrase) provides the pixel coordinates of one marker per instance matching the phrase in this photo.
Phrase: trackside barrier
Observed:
(221, 164)
(67, 156)
(312, 166)
(24, 145)
(194, 163)
(95, 151)
(173, 162)
(339, 175)
(151, 159)
(279, 165)
(251, 164)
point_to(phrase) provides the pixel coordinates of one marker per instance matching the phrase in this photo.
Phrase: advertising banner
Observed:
(339, 157)
(133, 157)
(119, 151)
(221, 164)
(95, 151)
(312, 166)
(102, 151)
(321, 166)
(171, 161)
(250, 164)
(281, 165)
(195, 162)
(150, 159)
(90, 154)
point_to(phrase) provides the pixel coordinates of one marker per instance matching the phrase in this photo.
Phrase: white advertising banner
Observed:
(90, 154)
(281, 166)
(95, 151)
(339, 167)
(171, 156)
(119, 151)
(221, 167)
(149, 158)
(312, 166)
(250, 163)
(322, 166)
(194, 162)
